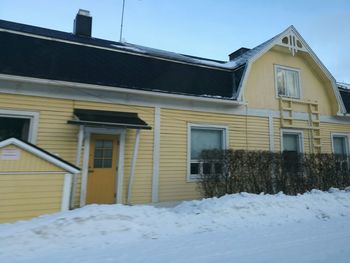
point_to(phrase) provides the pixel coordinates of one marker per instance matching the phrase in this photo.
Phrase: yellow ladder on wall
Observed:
(287, 112)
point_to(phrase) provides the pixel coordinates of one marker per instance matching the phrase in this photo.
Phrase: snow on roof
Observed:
(242, 59)
(173, 55)
(343, 85)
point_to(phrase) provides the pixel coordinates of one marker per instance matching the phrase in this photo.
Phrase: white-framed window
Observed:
(203, 137)
(287, 81)
(292, 141)
(340, 144)
(19, 124)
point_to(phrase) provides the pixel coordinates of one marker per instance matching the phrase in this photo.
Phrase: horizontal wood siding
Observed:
(28, 195)
(26, 162)
(327, 129)
(244, 133)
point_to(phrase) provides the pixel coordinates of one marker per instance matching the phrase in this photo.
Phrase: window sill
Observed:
(192, 178)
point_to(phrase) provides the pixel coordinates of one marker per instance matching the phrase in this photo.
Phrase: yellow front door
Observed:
(102, 169)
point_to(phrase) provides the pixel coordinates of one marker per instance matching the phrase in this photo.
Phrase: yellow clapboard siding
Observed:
(26, 162)
(24, 215)
(26, 195)
(173, 146)
(20, 203)
(22, 197)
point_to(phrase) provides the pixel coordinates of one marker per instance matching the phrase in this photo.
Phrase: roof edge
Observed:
(39, 152)
(157, 94)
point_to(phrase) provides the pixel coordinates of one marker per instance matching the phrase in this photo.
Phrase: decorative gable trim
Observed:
(292, 42)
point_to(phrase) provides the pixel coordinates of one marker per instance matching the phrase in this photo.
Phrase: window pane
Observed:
(288, 83)
(339, 145)
(107, 153)
(107, 144)
(194, 168)
(205, 139)
(291, 143)
(14, 127)
(98, 153)
(103, 154)
(99, 144)
(292, 84)
(97, 163)
(280, 82)
(107, 163)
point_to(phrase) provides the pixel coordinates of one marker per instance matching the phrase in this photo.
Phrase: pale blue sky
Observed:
(205, 28)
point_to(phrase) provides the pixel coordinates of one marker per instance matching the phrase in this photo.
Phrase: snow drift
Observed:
(113, 225)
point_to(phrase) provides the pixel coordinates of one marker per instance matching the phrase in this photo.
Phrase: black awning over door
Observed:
(100, 118)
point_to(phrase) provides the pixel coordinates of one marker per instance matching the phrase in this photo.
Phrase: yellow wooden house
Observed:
(134, 119)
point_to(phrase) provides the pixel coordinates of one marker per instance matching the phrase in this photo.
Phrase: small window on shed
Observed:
(14, 127)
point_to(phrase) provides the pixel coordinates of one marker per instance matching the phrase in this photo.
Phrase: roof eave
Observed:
(156, 94)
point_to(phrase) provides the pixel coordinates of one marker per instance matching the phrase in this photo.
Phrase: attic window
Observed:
(287, 82)
(285, 40)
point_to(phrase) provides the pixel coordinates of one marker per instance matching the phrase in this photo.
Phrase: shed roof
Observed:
(40, 152)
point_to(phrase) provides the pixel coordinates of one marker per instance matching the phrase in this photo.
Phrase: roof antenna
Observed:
(121, 23)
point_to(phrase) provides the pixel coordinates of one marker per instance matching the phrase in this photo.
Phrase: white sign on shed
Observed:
(10, 154)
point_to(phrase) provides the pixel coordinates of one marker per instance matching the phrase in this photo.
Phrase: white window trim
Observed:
(194, 178)
(276, 66)
(300, 133)
(33, 121)
(338, 134)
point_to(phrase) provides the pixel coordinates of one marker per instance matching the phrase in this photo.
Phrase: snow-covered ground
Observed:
(314, 227)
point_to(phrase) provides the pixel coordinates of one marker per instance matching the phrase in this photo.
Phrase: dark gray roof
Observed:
(109, 63)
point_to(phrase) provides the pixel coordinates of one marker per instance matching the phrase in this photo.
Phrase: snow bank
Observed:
(118, 224)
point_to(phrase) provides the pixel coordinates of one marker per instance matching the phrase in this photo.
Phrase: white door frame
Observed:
(119, 173)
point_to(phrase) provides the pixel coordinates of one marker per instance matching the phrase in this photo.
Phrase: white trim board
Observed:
(156, 155)
(66, 192)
